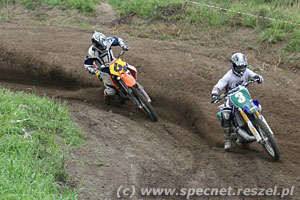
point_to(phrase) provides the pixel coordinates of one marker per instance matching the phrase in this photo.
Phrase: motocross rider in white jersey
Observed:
(99, 56)
(238, 74)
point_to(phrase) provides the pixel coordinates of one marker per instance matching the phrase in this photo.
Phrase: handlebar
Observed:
(246, 84)
(249, 82)
(122, 52)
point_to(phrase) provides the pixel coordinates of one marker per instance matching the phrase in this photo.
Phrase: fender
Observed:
(250, 108)
(128, 80)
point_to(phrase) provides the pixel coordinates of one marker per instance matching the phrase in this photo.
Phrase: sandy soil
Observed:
(184, 148)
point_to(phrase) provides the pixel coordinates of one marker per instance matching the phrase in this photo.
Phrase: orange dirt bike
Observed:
(128, 88)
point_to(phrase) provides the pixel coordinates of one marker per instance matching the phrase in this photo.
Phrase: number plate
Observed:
(117, 67)
(240, 98)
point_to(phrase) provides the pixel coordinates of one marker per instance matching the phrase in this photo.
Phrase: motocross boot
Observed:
(227, 139)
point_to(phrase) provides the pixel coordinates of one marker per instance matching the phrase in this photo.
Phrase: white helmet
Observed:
(99, 40)
(239, 64)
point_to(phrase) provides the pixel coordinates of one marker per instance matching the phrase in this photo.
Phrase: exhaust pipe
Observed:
(245, 135)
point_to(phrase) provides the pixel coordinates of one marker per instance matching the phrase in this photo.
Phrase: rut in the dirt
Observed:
(27, 69)
(34, 71)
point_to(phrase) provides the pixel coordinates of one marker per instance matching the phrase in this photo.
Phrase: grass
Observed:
(2, 16)
(146, 8)
(83, 5)
(31, 168)
(3, 11)
(202, 16)
(100, 162)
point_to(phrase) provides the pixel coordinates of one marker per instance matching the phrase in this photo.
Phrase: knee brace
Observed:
(226, 117)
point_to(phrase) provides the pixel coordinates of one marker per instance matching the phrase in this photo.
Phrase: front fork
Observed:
(129, 92)
(250, 125)
(264, 121)
(141, 88)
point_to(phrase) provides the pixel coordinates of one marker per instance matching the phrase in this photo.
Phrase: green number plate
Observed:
(240, 98)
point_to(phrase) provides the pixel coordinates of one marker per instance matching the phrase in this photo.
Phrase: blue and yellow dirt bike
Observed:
(128, 88)
(248, 123)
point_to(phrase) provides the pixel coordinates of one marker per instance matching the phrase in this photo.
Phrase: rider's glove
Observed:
(102, 66)
(91, 70)
(123, 45)
(125, 48)
(214, 98)
(256, 78)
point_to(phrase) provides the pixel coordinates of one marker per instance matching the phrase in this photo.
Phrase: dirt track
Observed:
(184, 148)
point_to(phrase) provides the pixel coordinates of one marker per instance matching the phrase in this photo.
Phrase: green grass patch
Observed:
(2, 17)
(83, 5)
(148, 8)
(202, 16)
(32, 167)
(272, 35)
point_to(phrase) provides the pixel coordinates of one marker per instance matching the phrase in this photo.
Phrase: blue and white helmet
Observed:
(99, 40)
(239, 64)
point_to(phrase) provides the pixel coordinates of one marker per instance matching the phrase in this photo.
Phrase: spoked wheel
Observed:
(146, 106)
(269, 140)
